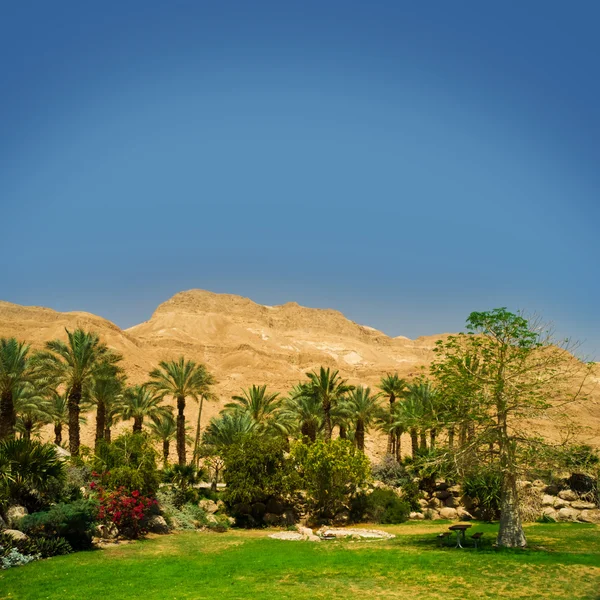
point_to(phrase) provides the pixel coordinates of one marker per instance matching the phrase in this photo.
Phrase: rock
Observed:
(464, 515)
(539, 484)
(423, 503)
(548, 500)
(568, 495)
(455, 490)
(582, 505)
(157, 524)
(308, 534)
(441, 486)
(416, 516)
(442, 495)
(590, 516)
(14, 514)
(15, 534)
(451, 502)
(106, 532)
(208, 506)
(560, 503)
(467, 502)
(433, 515)
(523, 485)
(435, 503)
(448, 513)
(568, 514)
(552, 489)
(550, 512)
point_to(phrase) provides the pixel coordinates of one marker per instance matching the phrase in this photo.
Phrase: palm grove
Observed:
(469, 414)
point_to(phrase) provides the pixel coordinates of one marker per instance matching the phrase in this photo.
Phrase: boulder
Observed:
(417, 516)
(106, 532)
(157, 524)
(423, 503)
(582, 505)
(590, 516)
(568, 495)
(560, 503)
(441, 486)
(208, 506)
(464, 515)
(14, 514)
(455, 490)
(289, 517)
(524, 485)
(539, 484)
(15, 534)
(433, 515)
(435, 503)
(467, 502)
(451, 502)
(448, 513)
(550, 512)
(442, 494)
(548, 500)
(552, 489)
(568, 514)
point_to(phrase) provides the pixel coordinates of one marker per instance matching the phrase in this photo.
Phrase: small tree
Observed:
(510, 371)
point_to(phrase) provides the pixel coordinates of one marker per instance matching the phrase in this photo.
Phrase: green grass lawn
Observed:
(563, 561)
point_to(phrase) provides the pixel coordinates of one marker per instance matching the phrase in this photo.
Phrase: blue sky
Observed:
(405, 163)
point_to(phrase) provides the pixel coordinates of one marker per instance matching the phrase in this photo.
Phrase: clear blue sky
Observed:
(403, 162)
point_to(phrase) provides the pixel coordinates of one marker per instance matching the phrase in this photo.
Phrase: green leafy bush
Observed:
(330, 472)
(380, 506)
(389, 471)
(74, 522)
(485, 486)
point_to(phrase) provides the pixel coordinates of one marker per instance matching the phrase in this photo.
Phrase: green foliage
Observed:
(485, 486)
(40, 546)
(74, 522)
(330, 472)
(128, 462)
(182, 479)
(380, 506)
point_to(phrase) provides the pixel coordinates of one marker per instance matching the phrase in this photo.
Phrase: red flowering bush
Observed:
(127, 511)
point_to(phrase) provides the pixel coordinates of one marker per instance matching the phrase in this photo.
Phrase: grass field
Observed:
(563, 561)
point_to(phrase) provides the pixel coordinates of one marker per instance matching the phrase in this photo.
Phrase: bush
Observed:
(127, 511)
(15, 559)
(485, 486)
(381, 506)
(182, 479)
(389, 471)
(44, 547)
(74, 522)
(331, 473)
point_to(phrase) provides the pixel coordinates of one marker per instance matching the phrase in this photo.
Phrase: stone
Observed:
(455, 490)
(550, 512)
(590, 516)
(560, 503)
(539, 484)
(208, 506)
(568, 514)
(441, 486)
(451, 502)
(106, 532)
(15, 534)
(552, 489)
(433, 515)
(435, 503)
(568, 495)
(467, 502)
(14, 514)
(582, 505)
(423, 503)
(157, 524)
(442, 494)
(523, 485)
(448, 513)
(464, 515)
(548, 500)
(417, 516)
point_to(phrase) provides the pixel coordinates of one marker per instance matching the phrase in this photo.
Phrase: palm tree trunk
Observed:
(137, 424)
(432, 438)
(181, 430)
(392, 435)
(414, 441)
(74, 439)
(398, 444)
(327, 413)
(360, 435)
(107, 434)
(423, 439)
(27, 427)
(8, 418)
(100, 422)
(166, 452)
(343, 433)
(58, 433)
(451, 437)
(196, 458)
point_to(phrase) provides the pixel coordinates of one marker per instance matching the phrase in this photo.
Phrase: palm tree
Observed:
(261, 406)
(164, 429)
(15, 370)
(418, 414)
(113, 414)
(206, 395)
(228, 427)
(73, 364)
(328, 387)
(303, 411)
(394, 387)
(31, 409)
(106, 388)
(362, 408)
(140, 402)
(58, 413)
(180, 379)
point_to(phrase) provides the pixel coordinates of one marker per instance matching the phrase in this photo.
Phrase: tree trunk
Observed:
(360, 435)
(100, 423)
(58, 433)
(107, 434)
(327, 413)
(414, 442)
(197, 440)
(27, 427)
(432, 438)
(422, 435)
(343, 433)
(398, 446)
(451, 437)
(213, 485)
(8, 418)
(181, 430)
(392, 435)
(510, 534)
(74, 401)
(166, 452)
(137, 424)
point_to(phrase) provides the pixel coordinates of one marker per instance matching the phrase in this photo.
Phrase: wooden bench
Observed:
(476, 537)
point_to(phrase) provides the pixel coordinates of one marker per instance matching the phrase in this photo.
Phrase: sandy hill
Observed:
(242, 343)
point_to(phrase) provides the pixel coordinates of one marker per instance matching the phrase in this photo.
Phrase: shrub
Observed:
(330, 472)
(44, 547)
(485, 486)
(15, 559)
(127, 511)
(389, 471)
(381, 506)
(182, 479)
(74, 522)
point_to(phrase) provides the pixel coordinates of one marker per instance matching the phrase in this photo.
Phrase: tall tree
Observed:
(526, 372)
(205, 395)
(164, 429)
(302, 412)
(58, 413)
(328, 387)
(180, 379)
(31, 408)
(261, 406)
(141, 402)
(362, 407)
(394, 388)
(73, 365)
(15, 371)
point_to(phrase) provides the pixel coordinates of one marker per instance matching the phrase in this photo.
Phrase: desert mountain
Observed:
(243, 343)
